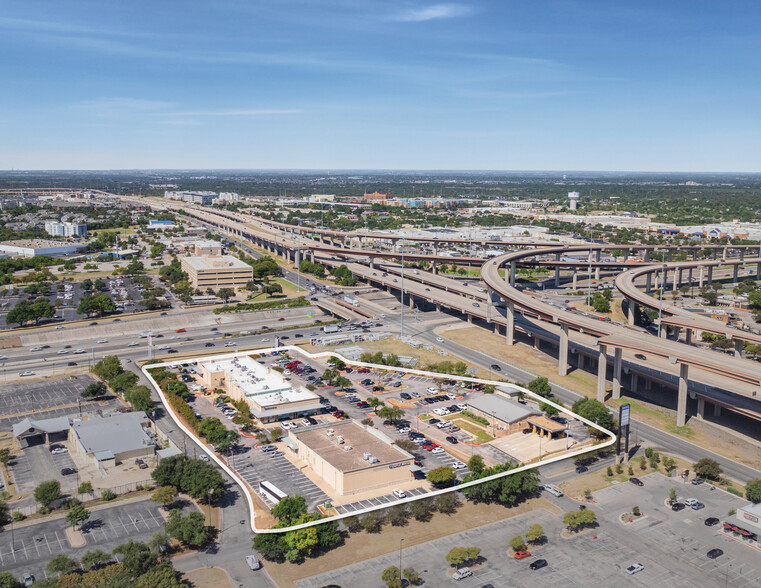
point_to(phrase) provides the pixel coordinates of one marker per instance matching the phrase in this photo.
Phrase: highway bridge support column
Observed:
(563, 351)
(510, 328)
(617, 373)
(512, 274)
(710, 273)
(648, 282)
(602, 370)
(575, 272)
(688, 336)
(597, 273)
(701, 408)
(557, 271)
(631, 311)
(758, 271)
(681, 404)
(433, 268)
(700, 277)
(739, 350)
(735, 271)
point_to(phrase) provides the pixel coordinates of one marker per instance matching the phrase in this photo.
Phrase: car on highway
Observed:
(62, 351)
(539, 563)
(634, 568)
(209, 344)
(102, 340)
(581, 469)
(636, 481)
(81, 351)
(26, 373)
(714, 553)
(3, 357)
(440, 339)
(230, 344)
(36, 349)
(496, 368)
(452, 440)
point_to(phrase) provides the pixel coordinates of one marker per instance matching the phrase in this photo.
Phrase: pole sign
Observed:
(624, 412)
(624, 418)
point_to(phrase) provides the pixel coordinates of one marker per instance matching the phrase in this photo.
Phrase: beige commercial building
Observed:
(222, 271)
(505, 416)
(114, 438)
(352, 458)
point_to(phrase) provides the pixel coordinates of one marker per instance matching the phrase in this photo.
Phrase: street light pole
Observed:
(400, 560)
(660, 298)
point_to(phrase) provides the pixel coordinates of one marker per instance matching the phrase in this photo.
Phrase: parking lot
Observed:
(36, 464)
(672, 547)
(48, 399)
(35, 545)
(389, 499)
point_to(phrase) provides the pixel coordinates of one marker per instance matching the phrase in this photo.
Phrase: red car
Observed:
(363, 371)
(522, 554)
(339, 414)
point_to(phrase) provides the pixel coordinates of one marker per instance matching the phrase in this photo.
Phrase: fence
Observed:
(87, 497)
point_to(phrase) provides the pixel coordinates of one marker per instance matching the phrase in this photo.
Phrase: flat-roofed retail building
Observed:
(216, 271)
(268, 394)
(505, 416)
(352, 458)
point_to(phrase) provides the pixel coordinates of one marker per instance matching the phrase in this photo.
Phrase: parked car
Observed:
(677, 506)
(462, 573)
(714, 553)
(399, 493)
(253, 562)
(458, 465)
(540, 563)
(636, 481)
(27, 579)
(697, 506)
(711, 521)
(521, 554)
(697, 481)
(56, 449)
(68, 471)
(634, 568)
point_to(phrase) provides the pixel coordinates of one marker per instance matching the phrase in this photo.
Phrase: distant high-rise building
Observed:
(574, 198)
(58, 229)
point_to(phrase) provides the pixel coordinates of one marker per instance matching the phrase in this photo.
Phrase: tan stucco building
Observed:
(216, 271)
(352, 458)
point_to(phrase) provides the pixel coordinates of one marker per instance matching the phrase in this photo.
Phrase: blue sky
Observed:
(381, 84)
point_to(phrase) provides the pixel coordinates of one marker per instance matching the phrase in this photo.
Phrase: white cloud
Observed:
(433, 12)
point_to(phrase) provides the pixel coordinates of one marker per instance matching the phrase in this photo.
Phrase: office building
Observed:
(221, 271)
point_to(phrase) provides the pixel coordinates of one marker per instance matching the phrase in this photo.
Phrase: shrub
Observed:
(107, 495)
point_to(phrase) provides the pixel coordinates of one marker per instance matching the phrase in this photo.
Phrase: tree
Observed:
(595, 411)
(391, 577)
(47, 492)
(108, 368)
(577, 519)
(708, 468)
(441, 477)
(123, 382)
(87, 284)
(372, 522)
(457, 556)
(535, 533)
(85, 487)
(391, 413)
(407, 445)
(165, 495)
(753, 490)
(411, 575)
(540, 386)
(162, 575)
(447, 503)
(140, 399)
(517, 543)
(136, 557)
(476, 464)
(272, 288)
(96, 303)
(422, 510)
(397, 515)
(159, 542)
(192, 476)
(189, 529)
(93, 559)
(95, 390)
(8, 580)
(226, 293)
(77, 514)
(289, 509)
(62, 564)
(672, 495)
(5, 456)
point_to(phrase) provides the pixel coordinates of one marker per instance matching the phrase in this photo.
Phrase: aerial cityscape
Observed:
(405, 293)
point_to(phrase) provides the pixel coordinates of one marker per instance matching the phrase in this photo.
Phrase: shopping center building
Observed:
(352, 458)
(268, 394)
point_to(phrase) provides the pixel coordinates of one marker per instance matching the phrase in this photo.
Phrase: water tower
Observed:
(574, 198)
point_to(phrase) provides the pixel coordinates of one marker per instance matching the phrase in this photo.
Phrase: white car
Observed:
(2, 357)
(634, 568)
(458, 465)
(265, 340)
(57, 450)
(690, 501)
(26, 373)
(431, 390)
(399, 493)
(230, 344)
(462, 573)
(59, 327)
(130, 344)
(451, 396)
(440, 339)
(204, 457)
(102, 340)
(305, 422)
(62, 352)
(462, 406)
(252, 562)
(437, 450)
(81, 351)
(286, 426)
(245, 332)
(36, 349)
(160, 348)
(440, 411)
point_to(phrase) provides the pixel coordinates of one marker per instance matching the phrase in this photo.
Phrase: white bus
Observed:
(271, 492)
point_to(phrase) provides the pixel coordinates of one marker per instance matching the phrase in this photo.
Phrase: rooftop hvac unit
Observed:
(366, 455)
(374, 459)
(340, 440)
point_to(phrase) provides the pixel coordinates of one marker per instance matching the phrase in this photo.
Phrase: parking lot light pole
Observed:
(211, 493)
(400, 560)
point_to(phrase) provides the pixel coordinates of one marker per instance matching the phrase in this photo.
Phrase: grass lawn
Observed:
(208, 578)
(364, 546)
(471, 427)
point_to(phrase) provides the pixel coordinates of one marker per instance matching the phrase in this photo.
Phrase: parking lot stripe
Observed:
(59, 541)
